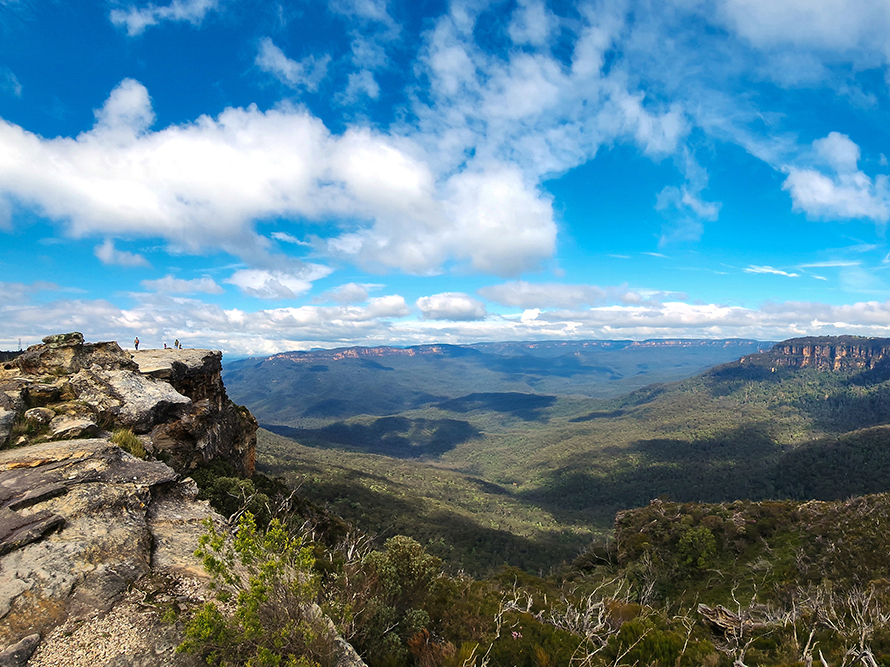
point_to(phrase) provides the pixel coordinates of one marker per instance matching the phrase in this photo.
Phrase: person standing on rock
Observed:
(136, 343)
(176, 345)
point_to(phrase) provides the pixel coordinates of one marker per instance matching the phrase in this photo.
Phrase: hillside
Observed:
(527, 479)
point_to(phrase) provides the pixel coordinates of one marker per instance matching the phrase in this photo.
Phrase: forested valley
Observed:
(734, 517)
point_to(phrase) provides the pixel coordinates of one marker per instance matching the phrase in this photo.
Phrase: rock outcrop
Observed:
(80, 522)
(175, 399)
(95, 543)
(825, 353)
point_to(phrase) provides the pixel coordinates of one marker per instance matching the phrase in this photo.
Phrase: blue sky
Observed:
(261, 176)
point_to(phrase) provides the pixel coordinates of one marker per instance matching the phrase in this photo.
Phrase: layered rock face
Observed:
(80, 522)
(825, 353)
(174, 399)
(86, 529)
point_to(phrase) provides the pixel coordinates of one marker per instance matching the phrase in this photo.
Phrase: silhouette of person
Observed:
(136, 343)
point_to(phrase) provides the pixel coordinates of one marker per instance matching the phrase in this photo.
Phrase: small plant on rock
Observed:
(129, 442)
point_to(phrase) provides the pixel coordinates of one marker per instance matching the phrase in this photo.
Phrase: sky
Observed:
(259, 176)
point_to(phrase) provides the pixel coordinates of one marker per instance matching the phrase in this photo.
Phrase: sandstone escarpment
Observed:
(825, 353)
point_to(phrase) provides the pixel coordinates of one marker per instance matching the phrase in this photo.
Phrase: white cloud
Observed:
(532, 23)
(522, 294)
(829, 264)
(842, 196)
(348, 293)
(368, 10)
(844, 191)
(202, 185)
(360, 84)
(266, 284)
(137, 19)
(110, 255)
(127, 112)
(9, 83)
(814, 24)
(453, 306)
(157, 318)
(307, 73)
(770, 270)
(284, 237)
(172, 285)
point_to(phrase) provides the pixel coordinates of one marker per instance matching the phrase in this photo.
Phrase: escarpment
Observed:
(87, 528)
(825, 353)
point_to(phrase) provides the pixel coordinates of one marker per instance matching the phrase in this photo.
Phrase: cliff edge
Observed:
(96, 543)
(824, 353)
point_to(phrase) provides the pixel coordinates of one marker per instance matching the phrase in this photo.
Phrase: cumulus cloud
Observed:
(844, 191)
(201, 186)
(110, 255)
(171, 285)
(453, 306)
(306, 73)
(137, 19)
(159, 317)
(266, 284)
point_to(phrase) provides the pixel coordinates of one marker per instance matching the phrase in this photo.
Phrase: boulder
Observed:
(17, 655)
(65, 427)
(40, 415)
(7, 421)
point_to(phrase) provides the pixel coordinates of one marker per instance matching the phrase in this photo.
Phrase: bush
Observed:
(266, 587)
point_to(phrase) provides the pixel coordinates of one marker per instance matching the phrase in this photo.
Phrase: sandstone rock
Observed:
(64, 340)
(82, 521)
(40, 415)
(96, 497)
(214, 427)
(17, 655)
(64, 427)
(72, 357)
(7, 421)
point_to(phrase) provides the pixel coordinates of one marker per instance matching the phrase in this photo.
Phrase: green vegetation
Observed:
(514, 481)
(265, 585)
(766, 543)
(742, 583)
(129, 442)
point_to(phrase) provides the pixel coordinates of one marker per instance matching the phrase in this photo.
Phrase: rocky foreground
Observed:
(96, 545)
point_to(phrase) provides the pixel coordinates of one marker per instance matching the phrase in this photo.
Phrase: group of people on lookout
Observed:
(176, 344)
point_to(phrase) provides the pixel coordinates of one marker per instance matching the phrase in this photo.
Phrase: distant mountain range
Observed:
(290, 387)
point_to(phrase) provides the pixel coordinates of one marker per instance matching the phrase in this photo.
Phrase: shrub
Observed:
(267, 589)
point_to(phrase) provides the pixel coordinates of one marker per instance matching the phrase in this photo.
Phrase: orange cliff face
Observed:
(829, 353)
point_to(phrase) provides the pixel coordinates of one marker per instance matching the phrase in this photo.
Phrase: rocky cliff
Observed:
(825, 353)
(95, 544)
(173, 399)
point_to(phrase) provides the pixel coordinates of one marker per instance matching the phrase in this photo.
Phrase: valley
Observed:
(487, 478)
